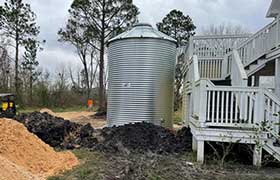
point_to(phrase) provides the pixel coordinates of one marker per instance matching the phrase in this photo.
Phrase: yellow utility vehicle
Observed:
(7, 105)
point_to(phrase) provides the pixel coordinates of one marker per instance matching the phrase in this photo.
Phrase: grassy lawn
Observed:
(91, 167)
(56, 109)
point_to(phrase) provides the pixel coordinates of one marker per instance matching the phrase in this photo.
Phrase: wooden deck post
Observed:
(194, 144)
(277, 77)
(277, 30)
(259, 109)
(203, 103)
(200, 151)
(257, 156)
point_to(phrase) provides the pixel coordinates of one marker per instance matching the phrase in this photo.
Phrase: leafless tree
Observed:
(5, 63)
(224, 29)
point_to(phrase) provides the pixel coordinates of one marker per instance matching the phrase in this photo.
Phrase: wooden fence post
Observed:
(277, 77)
(259, 107)
(203, 103)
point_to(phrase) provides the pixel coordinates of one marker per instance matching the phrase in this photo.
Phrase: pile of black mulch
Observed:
(57, 132)
(143, 137)
(139, 137)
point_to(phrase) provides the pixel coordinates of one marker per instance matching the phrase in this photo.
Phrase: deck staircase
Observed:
(272, 149)
(255, 67)
(216, 84)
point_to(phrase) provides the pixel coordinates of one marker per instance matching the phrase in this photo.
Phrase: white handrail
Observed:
(272, 96)
(260, 43)
(238, 73)
(195, 69)
(232, 65)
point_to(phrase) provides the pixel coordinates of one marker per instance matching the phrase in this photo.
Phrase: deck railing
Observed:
(230, 107)
(216, 46)
(260, 43)
(210, 52)
(210, 68)
(236, 107)
(271, 111)
(215, 53)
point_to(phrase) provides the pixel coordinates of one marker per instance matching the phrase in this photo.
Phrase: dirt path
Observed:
(84, 117)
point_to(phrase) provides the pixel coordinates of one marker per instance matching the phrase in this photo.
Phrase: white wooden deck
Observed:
(233, 112)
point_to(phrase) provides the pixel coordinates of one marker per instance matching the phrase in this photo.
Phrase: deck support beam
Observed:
(194, 144)
(200, 151)
(277, 77)
(257, 156)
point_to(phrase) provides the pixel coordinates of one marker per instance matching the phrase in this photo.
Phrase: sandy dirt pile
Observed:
(46, 110)
(28, 152)
(11, 171)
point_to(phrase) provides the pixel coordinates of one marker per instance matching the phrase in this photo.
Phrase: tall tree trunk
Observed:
(16, 64)
(30, 88)
(86, 73)
(101, 78)
(101, 67)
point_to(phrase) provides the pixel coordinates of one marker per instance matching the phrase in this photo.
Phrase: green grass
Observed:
(55, 109)
(28, 109)
(91, 167)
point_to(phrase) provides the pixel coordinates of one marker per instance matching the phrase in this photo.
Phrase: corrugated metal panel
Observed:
(141, 79)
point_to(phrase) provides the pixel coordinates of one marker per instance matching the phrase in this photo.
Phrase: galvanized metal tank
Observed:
(141, 77)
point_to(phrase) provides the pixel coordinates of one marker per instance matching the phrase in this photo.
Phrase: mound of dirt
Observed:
(143, 137)
(55, 131)
(26, 150)
(140, 137)
(9, 170)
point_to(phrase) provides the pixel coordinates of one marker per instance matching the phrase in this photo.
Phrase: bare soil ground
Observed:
(81, 117)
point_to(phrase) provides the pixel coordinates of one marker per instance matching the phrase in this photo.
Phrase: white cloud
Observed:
(57, 57)
(248, 13)
(52, 15)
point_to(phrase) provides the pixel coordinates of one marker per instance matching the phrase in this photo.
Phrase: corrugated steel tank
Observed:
(141, 77)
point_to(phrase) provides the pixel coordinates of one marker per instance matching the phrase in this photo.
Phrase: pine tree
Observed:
(30, 62)
(180, 27)
(17, 21)
(104, 19)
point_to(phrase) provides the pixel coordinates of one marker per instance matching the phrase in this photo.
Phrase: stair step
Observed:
(273, 150)
(253, 68)
(276, 144)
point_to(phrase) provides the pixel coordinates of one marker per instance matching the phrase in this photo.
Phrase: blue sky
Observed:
(52, 15)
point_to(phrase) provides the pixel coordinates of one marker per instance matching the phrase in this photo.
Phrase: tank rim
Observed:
(129, 38)
(142, 24)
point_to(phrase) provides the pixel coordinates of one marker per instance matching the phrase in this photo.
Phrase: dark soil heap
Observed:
(56, 131)
(139, 137)
(143, 137)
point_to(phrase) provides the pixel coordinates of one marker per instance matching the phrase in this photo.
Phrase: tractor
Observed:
(7, 105)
